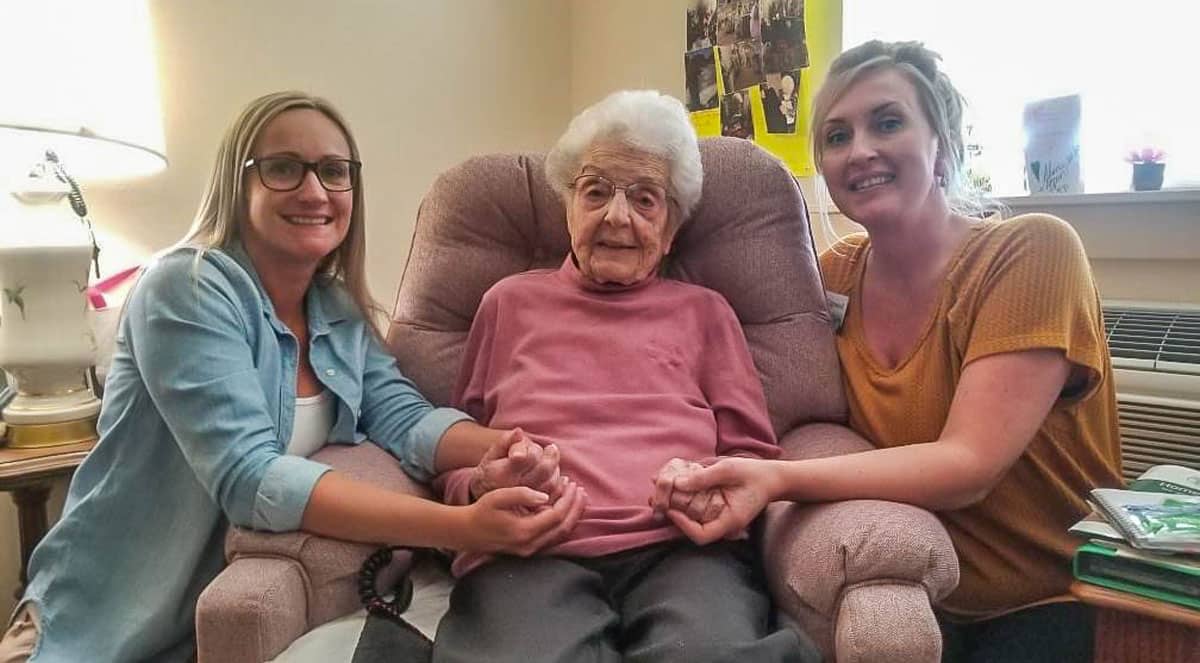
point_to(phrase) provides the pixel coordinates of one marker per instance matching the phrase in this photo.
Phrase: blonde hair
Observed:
(223, 207)
(941, 102)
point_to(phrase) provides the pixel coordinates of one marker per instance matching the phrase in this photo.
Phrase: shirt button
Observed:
(330, 372)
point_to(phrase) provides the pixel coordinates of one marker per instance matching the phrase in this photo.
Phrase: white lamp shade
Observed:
(78, 77)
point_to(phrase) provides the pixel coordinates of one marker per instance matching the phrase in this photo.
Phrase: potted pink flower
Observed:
(1148, 168)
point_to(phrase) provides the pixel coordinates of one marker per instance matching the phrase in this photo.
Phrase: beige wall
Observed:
(1143, 251)
(423, 84)
(618, 44)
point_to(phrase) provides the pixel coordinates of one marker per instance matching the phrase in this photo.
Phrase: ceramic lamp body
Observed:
(46, 344)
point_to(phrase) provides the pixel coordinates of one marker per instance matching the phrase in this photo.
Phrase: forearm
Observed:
(934, 475)
(343, 508)
(463, 445)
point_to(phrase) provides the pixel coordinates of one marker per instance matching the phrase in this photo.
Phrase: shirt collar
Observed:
(325, 301)
(570, 271)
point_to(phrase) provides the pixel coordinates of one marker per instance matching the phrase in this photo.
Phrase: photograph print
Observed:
(700, 77)
(701, 24)
(784, 45)
(735, 115)
(727, 23)
(776, 9)
(741, 65)
(780, 97)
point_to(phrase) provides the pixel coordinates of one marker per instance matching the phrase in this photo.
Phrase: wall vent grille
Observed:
(1155, 351)
(1157, 434)
(1153, 339)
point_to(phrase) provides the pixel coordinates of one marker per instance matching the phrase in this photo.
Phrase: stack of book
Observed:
(1145, 540)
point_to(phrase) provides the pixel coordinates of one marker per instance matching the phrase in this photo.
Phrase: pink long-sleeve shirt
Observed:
(622, 379)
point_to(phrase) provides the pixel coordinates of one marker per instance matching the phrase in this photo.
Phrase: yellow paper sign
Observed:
(822, 28)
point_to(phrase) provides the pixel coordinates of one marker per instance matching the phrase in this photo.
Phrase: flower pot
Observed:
(1148, 176)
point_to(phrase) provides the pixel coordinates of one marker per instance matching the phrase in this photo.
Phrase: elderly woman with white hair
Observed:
(617, 371)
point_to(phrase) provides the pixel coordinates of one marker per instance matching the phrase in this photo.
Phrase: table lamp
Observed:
(80, 102)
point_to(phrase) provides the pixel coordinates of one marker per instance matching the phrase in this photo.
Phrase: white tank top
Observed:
(314, 420)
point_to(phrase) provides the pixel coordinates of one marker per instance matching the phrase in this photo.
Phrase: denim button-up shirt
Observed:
(197, 414)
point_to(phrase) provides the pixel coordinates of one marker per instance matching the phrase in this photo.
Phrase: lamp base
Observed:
(35, 436)
(50, 407)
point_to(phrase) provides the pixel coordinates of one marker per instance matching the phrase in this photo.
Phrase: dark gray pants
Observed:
(662, 603)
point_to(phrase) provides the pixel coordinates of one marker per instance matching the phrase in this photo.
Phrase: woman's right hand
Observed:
(520, 520)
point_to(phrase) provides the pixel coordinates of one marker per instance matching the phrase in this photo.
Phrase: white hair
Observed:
(645, 120)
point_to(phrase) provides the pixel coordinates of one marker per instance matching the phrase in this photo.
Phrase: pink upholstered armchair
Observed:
(858, 576)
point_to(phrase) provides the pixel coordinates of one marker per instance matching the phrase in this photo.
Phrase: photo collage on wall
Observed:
(757, 43)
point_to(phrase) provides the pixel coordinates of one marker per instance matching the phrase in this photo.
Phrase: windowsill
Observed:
(1042, 201)
(1111, 198)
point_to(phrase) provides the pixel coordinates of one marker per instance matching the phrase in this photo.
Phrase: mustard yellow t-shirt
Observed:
(1014, 285)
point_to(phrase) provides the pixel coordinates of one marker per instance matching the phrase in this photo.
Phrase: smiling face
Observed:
(620, 240)
(296, 229)
(880, 154)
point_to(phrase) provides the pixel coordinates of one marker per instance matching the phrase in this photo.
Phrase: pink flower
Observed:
(1145, 155)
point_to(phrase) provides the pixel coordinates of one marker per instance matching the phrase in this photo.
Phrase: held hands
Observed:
(714, 502)
(521, 502)
(517, 461)
(520, 521)
(699, 506)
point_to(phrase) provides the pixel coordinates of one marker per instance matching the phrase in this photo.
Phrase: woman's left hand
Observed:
(741, 483)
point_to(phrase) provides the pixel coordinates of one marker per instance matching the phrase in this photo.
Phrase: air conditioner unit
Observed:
(1155, 350)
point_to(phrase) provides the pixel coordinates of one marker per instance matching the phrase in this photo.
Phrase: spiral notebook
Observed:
(1152, 520)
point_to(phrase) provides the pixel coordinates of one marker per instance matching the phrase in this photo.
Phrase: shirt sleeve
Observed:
(189, 337)
(397, 417)
(1037, 292)
(733, 389)
(455, 486)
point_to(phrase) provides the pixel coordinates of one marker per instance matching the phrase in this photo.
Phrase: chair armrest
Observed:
(251, 612)
(280, 585)
(821, 441)
(814, 553)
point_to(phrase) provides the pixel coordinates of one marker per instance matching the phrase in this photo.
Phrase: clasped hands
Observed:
(706, 503)
(709, 502)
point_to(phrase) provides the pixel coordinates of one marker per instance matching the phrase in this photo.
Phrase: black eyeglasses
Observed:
(287, 174)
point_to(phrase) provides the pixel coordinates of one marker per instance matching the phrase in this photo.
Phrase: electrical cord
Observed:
(75, 196)
(369, 595)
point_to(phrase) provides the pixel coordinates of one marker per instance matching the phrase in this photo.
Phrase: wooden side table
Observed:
(1134, 629)
(28, 474)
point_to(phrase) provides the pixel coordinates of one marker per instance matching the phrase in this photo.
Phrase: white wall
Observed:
(423, 84)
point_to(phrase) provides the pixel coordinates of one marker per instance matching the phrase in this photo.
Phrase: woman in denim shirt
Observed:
(241, 351)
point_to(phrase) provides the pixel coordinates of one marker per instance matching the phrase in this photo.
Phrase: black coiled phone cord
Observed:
(369, 595)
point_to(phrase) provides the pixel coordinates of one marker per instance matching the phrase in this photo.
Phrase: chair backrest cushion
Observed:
(748, 239)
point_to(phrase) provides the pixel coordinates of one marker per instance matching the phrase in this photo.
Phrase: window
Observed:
(1133, 63)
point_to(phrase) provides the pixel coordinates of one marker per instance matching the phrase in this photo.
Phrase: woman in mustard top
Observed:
(974, 360)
